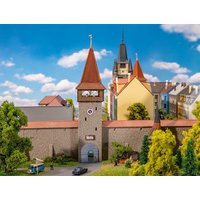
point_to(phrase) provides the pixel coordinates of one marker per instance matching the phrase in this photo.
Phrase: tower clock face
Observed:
(90, 111)
(90, 93)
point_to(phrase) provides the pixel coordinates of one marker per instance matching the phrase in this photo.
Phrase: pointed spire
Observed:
(136, 56)
(137, 71)
(91, 77)
(122, 37)
(90, 36)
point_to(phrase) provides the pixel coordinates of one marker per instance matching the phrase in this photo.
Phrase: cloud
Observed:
(171, 66)
(62, 87)
(198, 48)
(194, 79)
(18, 101)
(41, 78)
(106, 74)
(151, 78)
(8, 63)
(16, 89)
(72, 60)
(180, 78)
(189, 31)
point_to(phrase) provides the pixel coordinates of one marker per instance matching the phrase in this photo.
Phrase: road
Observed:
(67, 171)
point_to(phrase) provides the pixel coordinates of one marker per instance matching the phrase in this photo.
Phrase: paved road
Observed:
(67, 171)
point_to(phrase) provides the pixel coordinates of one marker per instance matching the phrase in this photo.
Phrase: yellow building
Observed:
(129, 88)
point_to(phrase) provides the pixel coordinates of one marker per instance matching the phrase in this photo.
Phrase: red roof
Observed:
(137, 72)
(53, 101)
(90, 78)
(110, 124)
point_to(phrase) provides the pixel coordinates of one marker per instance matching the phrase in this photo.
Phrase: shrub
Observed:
(137, 170)
(128, 163)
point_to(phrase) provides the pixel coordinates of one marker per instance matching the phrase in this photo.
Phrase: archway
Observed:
(89, 153)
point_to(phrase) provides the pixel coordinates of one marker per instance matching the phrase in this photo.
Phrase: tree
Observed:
(120, 152)
(178, 158)
(165, 115)
(196, 112)
(144, 150)
(190, 166)
(70, 103)
(137, 111)
(160, 158)
(13, 148)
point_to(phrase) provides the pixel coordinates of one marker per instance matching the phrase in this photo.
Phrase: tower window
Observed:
(96, 129)
(95, 108)
(85, 118)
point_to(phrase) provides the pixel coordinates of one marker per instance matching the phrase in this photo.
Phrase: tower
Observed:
(90, 95)
(122, 66)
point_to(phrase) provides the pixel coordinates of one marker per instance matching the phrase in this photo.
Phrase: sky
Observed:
(40, 60)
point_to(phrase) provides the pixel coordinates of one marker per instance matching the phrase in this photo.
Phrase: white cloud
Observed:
(8, 63)
(62, 87)
(106, 74)
(151, 78)
(171, 66)
(16, 89)
(80, 56)
(194, 79)
(198, 48)
(180, 78)
(18, 101)
(41, 78)
(189, 31)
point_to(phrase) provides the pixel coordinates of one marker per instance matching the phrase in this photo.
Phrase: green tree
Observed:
(165, 115)
(13, 148)
(161, 161)
(190, 166)
(178, 158)
(137, 111)
(120, 152)
(70, 103)
(196, 111)
(144, 150)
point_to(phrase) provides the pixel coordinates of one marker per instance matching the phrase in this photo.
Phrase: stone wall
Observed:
(65, 140)
(47, 142)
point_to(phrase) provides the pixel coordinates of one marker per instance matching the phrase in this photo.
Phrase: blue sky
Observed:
(39, 60)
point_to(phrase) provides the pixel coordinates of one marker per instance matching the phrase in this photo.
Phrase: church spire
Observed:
(137, 71)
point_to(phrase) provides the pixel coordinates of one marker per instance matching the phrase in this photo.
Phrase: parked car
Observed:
(79, 170)
(36, 168)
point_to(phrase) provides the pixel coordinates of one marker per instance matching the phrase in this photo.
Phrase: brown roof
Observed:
(137, 72)
(51, 124)
(90, 78)
(156, 87)
(110, 124)
(53, 101)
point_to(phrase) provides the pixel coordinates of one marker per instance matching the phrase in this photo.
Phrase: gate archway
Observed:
(89, 153)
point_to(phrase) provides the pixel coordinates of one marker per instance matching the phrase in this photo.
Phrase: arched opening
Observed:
(89, 153)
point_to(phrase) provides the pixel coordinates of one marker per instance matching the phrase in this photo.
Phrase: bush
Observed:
(128, 163)
(137, 170)
(59, 158)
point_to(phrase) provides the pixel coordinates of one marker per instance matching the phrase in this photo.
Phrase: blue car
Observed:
(36, 168)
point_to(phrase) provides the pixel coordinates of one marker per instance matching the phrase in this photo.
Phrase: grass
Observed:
(19, 173)
(110, 170)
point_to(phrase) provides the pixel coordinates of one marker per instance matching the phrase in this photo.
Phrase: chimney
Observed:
(129, 76)
(166, 84)
(196, 89)
(117, 87)
(190, 89)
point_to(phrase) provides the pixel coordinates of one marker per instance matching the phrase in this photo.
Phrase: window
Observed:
(156, 96)
(122, 65)
(95, 108)
(96, 129)
(165, 105)
(165, 98)
(156, 103)
(85, 118)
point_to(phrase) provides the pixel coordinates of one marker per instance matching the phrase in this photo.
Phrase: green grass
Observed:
(19, 173)
(67, 164)
(110, 170)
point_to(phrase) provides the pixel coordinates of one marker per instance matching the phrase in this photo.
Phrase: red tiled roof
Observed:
(53, 101)
(137, 72)
(51, 124)
(91, 78)
(110, 124)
